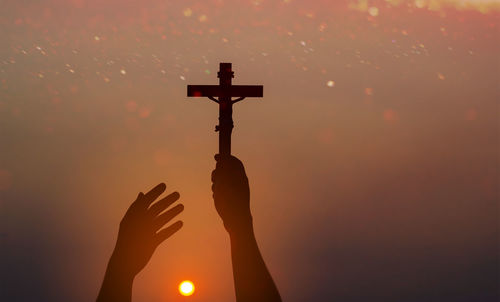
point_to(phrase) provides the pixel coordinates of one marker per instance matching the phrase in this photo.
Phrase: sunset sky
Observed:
(373, 157)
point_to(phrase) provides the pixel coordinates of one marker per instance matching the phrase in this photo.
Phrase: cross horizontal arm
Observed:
(256, 91)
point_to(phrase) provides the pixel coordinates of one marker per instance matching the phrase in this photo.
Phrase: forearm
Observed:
(252, 280)
(117, 284)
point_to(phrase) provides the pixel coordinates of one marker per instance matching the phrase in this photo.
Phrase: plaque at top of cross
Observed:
(223, 95)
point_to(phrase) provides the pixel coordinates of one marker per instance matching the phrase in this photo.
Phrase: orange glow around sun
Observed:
(186, 288)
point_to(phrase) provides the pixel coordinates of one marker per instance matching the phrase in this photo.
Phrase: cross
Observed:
(222, 94)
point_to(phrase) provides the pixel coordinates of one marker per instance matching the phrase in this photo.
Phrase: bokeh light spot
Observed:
(390, 116)
(131, 106)
(187, 12)
(373, 11)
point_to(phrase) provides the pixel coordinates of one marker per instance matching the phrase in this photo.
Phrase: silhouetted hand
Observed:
(252, 280)
(141, 231)
(141, 228)
(231, 193)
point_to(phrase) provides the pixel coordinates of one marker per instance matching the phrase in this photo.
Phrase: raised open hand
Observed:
(231, 193)
(141, 228)
(141, 231)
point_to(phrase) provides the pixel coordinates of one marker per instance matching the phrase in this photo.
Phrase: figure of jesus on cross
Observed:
(223, 94)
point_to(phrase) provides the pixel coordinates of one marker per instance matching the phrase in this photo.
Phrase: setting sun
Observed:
(186, 288)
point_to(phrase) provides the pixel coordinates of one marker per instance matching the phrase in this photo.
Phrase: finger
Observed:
(218, 161)
(219, 157)
(222, 160)
(164, 203)
(165, 233)
(228, 162)
(213, 175)
(164, 218)
(138, 198)
(150, 196)
(136, 205)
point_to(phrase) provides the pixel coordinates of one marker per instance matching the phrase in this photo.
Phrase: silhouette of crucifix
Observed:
(222, 94)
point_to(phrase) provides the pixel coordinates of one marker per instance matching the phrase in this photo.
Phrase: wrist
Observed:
(117, 285)
(117, 270)
(242, 227)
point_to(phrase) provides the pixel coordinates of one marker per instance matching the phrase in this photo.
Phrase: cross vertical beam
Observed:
(226, 125)
(224, 92)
